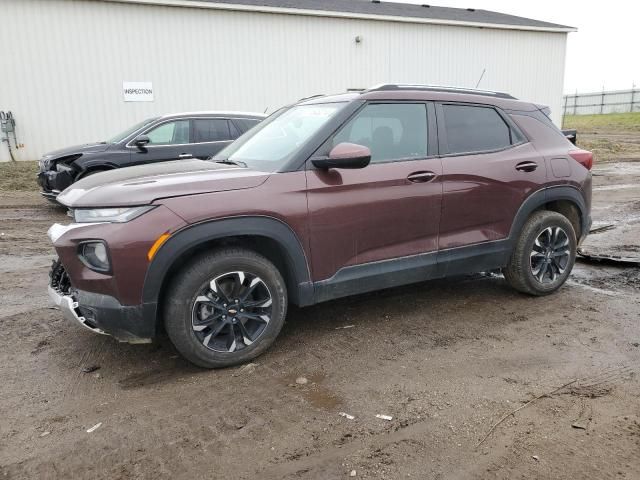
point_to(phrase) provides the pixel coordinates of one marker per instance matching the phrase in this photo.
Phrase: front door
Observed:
(167, 141)
(386, 215)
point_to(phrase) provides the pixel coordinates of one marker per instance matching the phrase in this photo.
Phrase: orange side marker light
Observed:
(157, 244)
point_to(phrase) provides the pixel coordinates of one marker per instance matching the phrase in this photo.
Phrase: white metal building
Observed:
(63, 63)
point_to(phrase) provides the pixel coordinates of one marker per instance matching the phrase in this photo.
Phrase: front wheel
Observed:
(225, 308)
(543, 255)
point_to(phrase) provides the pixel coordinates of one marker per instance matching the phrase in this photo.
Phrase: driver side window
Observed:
(392, 131)
(170, 133)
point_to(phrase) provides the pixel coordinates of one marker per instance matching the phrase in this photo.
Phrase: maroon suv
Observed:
(333, 196)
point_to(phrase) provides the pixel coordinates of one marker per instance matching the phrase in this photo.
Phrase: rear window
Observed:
(475, 129)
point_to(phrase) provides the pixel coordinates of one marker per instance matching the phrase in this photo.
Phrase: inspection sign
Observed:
(137, 91)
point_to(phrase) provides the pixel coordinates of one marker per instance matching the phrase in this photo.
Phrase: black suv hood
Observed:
(76, 149)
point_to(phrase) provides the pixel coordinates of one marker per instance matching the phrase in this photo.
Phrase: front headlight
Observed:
(109, 215)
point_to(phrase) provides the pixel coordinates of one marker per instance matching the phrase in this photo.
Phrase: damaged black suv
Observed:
(169, 137)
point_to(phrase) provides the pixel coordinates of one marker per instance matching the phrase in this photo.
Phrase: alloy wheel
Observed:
(232, 311)
(550, 255)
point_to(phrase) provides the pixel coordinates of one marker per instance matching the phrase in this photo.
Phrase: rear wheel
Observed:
(225, 308)
(544, 254)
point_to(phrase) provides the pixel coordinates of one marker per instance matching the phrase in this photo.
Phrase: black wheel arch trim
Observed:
(192, 236)
(546, 195)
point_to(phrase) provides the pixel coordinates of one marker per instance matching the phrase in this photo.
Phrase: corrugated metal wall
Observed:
(62, 63)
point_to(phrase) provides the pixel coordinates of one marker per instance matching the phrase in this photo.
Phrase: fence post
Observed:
(633, 94)
(602, 101)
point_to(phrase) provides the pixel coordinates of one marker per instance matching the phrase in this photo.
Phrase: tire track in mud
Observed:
(590, 386)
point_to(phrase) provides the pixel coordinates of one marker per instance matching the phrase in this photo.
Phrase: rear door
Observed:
(210, 135)
(488, 169)
(387, 210)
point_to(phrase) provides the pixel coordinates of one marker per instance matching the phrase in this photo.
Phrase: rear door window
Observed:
(392, 131)
(211, 130)
(475, 129)
(246, 123)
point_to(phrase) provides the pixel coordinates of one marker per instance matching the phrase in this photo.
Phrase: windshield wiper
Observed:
(232, 162)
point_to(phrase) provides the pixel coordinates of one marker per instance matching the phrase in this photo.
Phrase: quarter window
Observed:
(391, 131)
(475, 129)
(211, 130)
(170, 133)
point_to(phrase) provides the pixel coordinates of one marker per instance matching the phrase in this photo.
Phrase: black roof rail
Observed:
(438, 88)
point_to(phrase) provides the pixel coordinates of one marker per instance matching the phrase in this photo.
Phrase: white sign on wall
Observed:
(137, 91)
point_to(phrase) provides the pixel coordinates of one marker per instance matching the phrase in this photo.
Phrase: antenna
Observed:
(481, 75)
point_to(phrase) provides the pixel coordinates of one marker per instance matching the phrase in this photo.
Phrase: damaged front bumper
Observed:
(102, 314)
(54, 181)
(69, 308)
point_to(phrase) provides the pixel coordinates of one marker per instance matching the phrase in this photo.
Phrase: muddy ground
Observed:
(446, 359)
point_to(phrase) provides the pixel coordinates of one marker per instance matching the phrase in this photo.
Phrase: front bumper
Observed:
(104, 315)
(97, 312)
(69, 308)
(53, 182)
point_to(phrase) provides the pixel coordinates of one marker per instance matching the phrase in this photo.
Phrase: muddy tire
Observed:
(225, 308)
(543, 255)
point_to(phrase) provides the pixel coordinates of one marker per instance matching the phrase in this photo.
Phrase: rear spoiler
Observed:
(570, 135)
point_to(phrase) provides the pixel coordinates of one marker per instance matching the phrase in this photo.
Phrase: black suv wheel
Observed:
(544, 254)
(225, 308)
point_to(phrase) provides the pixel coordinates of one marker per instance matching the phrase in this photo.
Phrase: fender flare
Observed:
(546, 195)
(194, 235)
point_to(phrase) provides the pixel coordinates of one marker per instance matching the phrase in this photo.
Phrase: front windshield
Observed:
(270, 144)
(121, 136)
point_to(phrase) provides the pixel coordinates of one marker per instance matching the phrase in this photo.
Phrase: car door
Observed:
(168, 140)
(210, 135)
(488, 169)
(387, 211)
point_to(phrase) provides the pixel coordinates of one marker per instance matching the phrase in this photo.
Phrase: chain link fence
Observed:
(615, 101)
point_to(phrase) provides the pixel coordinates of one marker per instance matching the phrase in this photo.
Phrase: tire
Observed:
(553, 254)
(203, 320)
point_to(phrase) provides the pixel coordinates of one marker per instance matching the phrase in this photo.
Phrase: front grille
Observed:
(59, 279)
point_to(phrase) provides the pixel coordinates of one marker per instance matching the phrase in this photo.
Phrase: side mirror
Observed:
(142, 141)
(345, 155)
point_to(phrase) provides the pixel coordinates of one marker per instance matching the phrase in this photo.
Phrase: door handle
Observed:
(421, 177)
(526, 166)
(185, 155)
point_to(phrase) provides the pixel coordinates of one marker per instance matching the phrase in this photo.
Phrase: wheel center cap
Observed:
(232, 311)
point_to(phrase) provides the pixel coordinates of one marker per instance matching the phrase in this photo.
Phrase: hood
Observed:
(86, 148)
(143, 184)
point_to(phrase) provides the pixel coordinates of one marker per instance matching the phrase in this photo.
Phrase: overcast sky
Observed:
(605, 49)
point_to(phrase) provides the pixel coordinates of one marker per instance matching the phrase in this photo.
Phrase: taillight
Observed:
(583, 157)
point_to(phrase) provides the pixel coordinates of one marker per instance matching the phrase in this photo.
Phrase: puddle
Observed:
(315, 392)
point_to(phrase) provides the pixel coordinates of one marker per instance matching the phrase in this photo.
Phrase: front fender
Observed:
(192, 236)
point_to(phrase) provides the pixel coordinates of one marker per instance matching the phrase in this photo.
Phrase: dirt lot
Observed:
(446, 359)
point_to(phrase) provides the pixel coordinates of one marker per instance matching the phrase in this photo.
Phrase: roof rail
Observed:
(310, 97)
(437, 88)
